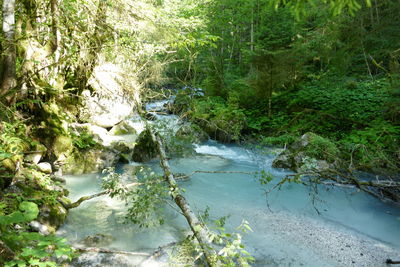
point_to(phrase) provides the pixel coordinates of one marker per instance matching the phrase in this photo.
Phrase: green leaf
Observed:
(30, 209)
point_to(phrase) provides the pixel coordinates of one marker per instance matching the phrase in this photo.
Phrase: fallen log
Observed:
(199, 230)
(390, 261)
(387, 191)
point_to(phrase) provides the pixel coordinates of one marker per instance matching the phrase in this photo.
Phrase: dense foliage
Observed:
(304, 67)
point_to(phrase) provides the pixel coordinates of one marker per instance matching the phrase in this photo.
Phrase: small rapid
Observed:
(291, 226)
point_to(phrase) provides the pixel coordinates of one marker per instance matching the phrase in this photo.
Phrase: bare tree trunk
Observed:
(200, 232)
(252, 30)
(55, 13)
(9, 75)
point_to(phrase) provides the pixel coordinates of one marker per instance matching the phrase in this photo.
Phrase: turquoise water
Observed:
(287, 230)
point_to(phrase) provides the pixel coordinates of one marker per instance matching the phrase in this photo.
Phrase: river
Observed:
(351, 228)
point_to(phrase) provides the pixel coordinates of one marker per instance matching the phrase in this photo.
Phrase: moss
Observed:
(62, 145)
(145, 148)
(74, 164)
(321, 148)
(88, 161)
(52, 214)
(8, 164)
(40, 148)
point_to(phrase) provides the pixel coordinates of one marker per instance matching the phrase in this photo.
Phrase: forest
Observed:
(188, 118)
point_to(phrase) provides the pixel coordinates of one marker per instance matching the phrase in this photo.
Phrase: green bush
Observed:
(220, 120)
(31, 249)
(375, 146)
(363, 102)
(83, 141)
(321, 148)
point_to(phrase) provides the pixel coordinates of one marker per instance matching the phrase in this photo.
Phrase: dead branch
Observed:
(102, 250)
(385, 190)
(85, 198)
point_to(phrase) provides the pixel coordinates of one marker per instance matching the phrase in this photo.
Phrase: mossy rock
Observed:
(145, 148)
(318, 147)
(62, 145)
(309, 151)
(8, 164)
(89, 161)
(53, 214)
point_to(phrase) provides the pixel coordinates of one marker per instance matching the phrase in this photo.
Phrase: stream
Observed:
(351, 229)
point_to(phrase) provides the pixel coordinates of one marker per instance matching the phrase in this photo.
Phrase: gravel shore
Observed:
(312, 242)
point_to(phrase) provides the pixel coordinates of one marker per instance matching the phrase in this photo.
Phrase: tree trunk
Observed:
(200, 232)
(9, 74)
(55, 13)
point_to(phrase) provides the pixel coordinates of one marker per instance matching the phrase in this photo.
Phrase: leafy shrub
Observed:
(32, 249)
(362, 103)
(374, 146)
(220, 120)
(321, 148)
(280, 140)
(83, 141)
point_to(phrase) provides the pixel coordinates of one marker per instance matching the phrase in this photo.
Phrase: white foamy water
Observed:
(158, 105)
(217, 149)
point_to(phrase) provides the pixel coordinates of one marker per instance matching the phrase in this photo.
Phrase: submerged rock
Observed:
(94, 259)
(98, 240)
(309, 152)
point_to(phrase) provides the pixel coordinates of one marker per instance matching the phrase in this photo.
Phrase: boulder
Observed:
(40, 228)
(107, 139)
(62, 145)
(89, 161)
(309, 152)
(36, 156)
(122, 146)
(145, 149)
(109, 103)
(98, 240)
(45, 167)
(122, 128)
(52, 215)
